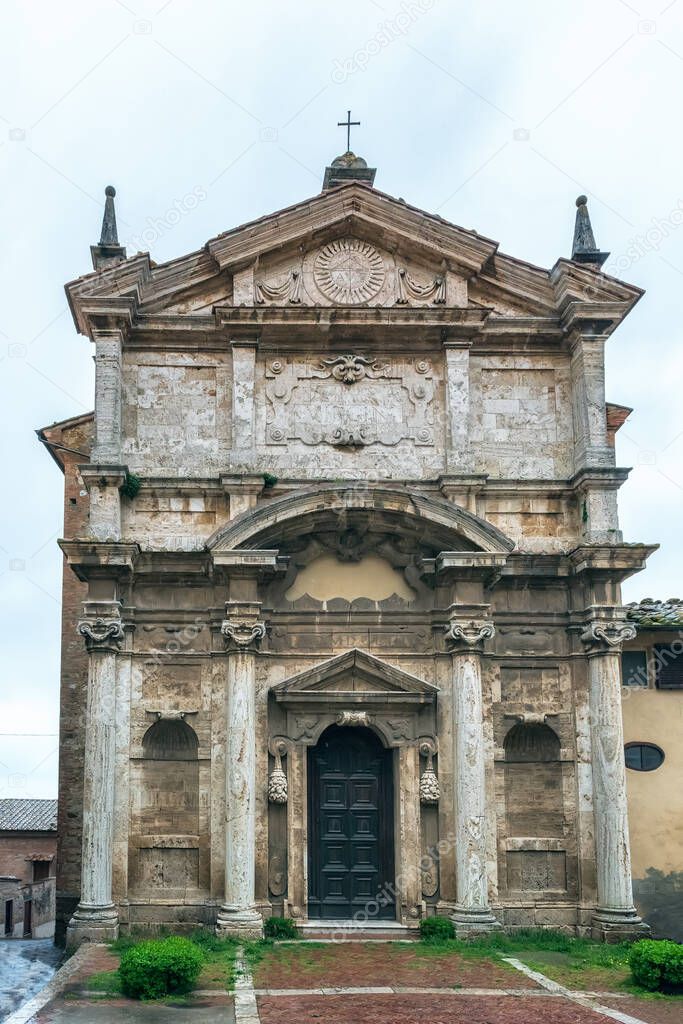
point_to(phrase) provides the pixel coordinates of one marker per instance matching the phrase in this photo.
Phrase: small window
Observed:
(669, 665)
(41, 870)
(643, 757)
(634, 668)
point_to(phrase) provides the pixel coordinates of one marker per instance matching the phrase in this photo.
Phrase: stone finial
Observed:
(348, 167)
(584, 249)
(108, 250)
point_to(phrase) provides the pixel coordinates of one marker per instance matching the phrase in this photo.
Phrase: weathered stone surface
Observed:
(376, 491)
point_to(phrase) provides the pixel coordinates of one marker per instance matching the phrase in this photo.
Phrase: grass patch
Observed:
(106, 983)
(219, 960)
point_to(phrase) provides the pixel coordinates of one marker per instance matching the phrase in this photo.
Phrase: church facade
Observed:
(348, 573)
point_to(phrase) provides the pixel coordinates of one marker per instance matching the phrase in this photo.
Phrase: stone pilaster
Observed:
(459, 457)
(103, 483)
(242, 631)
(587, 368)
(616, 917)
(106, 448)
(105, 474)
(244, 383)
(96, 917)
(472, 912)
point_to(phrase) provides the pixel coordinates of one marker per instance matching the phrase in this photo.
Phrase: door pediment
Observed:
(354, 679)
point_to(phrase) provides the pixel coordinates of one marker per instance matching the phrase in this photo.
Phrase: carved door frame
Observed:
(401, 717)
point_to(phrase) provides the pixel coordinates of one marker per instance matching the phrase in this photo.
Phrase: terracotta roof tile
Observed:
(651, 614)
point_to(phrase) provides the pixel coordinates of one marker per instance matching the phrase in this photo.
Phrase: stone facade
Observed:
(350, 468)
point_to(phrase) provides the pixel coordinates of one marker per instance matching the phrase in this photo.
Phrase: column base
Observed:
(469, 922)
(92, 923)
(618, 926)
(239, 924)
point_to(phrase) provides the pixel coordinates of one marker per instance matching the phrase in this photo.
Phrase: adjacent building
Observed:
(652, 700)
(343, 548)
(28, 847)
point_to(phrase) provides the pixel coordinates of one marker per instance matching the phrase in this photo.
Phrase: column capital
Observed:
(241, 628)
(101, 628)
(607, 636)
(469, 634)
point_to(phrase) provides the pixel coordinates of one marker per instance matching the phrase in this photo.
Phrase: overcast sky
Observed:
(494, 115)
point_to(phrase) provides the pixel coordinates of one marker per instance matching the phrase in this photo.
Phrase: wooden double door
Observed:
(350, 835)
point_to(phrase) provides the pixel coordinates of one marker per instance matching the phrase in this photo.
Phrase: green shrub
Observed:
(280, 928)
(160, 967)
(436, 929)
(130, 486)
(657, 964)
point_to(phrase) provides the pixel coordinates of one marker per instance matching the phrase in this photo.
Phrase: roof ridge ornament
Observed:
(348, 167)
(108, 251)
(584, 249)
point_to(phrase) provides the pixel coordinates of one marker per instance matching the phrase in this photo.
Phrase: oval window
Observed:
(643, 757)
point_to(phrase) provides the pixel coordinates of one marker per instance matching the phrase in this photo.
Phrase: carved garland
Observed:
(288, 291)
(429, 783)
(277, 780)
(407, 288)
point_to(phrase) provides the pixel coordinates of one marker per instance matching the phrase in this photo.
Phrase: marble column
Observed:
(96, 918)
(242, 632)
(472, 912)
(616, 916)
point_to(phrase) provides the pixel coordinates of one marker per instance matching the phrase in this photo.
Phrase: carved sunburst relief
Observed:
(349, 271)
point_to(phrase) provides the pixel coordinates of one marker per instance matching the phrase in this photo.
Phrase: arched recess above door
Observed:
(424, 519)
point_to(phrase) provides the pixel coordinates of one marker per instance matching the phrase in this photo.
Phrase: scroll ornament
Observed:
(243, 634)
(470, 633)
(408, 288)
(277, 782)
(349, 368)
(612, 634)
(101, 632)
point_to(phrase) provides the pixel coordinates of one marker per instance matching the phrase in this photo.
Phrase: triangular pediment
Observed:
(354, 674)
(350, 246)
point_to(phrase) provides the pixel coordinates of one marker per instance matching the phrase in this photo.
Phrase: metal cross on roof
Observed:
(347, 124)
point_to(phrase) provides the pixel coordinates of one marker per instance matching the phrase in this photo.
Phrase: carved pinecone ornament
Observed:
(429, 787)
(277, 787)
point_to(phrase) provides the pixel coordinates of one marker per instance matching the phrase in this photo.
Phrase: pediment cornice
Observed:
(354, 676)
(503, 292)
(362, 212)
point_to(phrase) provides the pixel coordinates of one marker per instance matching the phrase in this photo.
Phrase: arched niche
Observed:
(170, 740)
(533, 781)
(169, 780)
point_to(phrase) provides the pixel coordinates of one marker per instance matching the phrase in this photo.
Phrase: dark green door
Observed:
(351, 850)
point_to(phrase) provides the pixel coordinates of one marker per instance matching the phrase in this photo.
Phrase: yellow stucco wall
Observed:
(655, 799)
(655, 803)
